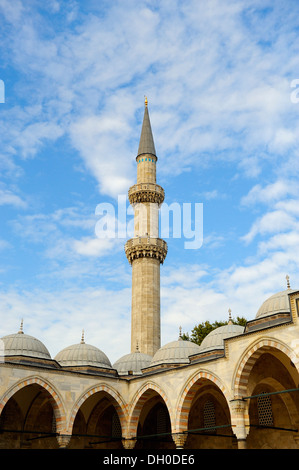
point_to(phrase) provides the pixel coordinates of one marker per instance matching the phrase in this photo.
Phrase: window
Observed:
(209, 420)
(161, 420)
(264, 408)
(116, 426)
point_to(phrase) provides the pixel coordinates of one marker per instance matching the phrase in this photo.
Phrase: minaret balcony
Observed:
(146, 247)
(146, 192)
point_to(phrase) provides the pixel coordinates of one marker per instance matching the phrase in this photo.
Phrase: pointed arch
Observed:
(188, 393)
(116, 400)
(249, 359)
(139, 400)
(55, 399)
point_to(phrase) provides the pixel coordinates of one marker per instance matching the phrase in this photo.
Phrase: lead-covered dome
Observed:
(82, 354)
(215, 339)
(175, 352)
(277, 303)
(132, 363)
(21, 344)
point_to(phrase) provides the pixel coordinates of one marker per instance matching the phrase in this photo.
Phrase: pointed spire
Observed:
(146, 143)
(288, 281)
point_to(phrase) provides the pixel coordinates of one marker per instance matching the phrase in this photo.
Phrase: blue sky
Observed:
(218, 79)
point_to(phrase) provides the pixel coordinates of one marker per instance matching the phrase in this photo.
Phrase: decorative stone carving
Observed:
(129, 443)
(63, 440)
(146, 247)
(180, 439)
(146, 192)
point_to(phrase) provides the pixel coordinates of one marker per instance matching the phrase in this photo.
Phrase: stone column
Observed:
(239, 415)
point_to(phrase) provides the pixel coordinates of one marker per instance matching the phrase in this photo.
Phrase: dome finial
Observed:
(137, 346)
(180, 332)
(82, 338)
(230, 317)
(288, 281)
(21, 328)
(145, 101)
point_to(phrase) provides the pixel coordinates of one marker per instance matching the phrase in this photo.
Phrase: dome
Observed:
(175, 352)
(82, 354)
(277, 303)
(132, 362)
(20, 344)
(215, 339)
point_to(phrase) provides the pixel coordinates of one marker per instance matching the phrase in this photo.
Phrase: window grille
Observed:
(116, 426)
(209, 419)
(161, 420)
(264, 407)
(53, 423)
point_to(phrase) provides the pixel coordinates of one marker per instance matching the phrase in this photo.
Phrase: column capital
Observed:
(63, 440)
(129, 443)
(179, 439)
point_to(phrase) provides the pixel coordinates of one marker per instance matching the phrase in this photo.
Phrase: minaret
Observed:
(146, 251)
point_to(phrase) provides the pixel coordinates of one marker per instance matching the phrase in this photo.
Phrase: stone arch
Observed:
(137, 404)
(250, 357)
(56, 401)
(116, 399)
(187, 395)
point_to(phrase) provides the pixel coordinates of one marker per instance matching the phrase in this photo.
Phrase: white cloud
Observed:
(271, 222)
(57, 318)
(217, 77)
(7, 197)
(269, 193)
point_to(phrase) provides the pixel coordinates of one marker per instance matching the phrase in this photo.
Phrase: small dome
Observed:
(175, 352)
(277, 303)
(132, 362)
(215, 339)
(20, 344)
(82, 354)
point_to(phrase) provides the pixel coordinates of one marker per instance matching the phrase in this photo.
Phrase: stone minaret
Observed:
(146, 251)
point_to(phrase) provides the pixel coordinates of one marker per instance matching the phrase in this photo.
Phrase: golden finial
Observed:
(21, 327)
(82, 338)
(288, 281)
(145, 101)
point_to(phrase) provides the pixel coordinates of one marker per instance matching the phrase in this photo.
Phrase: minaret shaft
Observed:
(145, 316)
(146, 251)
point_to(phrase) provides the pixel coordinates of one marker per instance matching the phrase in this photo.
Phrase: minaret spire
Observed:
(146, 143)
(146, 251)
